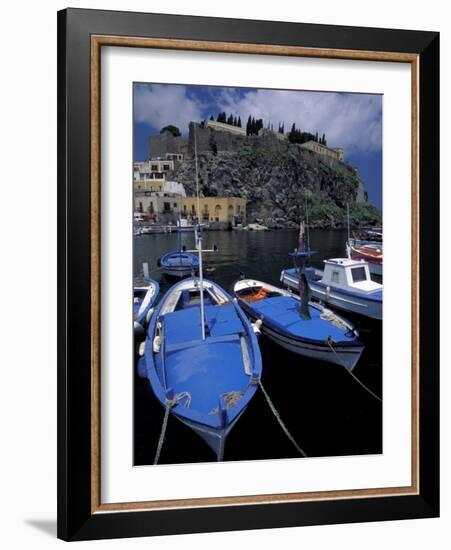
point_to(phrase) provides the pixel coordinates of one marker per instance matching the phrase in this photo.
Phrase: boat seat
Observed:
(228, 338)
(184, 325)
(223, 320)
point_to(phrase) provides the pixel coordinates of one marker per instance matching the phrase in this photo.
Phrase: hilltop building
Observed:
(166, 144)
(337, 153)
(224, 127)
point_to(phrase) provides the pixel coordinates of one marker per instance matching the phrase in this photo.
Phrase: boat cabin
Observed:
(350, 274)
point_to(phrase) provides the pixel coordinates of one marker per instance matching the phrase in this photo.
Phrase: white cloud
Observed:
(352, 121)
(160, 105)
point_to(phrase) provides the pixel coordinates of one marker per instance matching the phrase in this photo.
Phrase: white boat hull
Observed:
(345, 302)
(344, 356)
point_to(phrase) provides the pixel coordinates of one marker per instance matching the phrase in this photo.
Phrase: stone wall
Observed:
(212, 141)
(164, 143)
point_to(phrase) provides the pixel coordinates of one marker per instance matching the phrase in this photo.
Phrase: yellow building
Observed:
(216, 209)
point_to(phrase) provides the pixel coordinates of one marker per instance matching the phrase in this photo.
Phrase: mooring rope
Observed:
(231, 398)
(366, 388)
(328, 315)
(169, 404)
(280, 421)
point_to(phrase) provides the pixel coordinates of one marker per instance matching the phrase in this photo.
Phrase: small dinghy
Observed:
(344, 284)
(202, 358)
(324, 335)
(179, 264)
(145, 292)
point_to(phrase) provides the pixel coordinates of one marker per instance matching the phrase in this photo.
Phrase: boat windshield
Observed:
(358, 274)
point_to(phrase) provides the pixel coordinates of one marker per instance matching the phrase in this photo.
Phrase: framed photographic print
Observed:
(248, 269)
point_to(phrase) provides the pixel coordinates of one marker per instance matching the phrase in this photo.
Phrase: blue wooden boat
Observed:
(207, 371)
(345, 284)
(317, 333)
(145, 292)
(179, 264)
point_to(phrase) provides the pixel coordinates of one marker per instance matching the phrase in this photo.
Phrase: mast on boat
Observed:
(348, 242)
(198, 234)
(302, 288)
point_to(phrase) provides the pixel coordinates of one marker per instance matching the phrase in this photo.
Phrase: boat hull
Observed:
(332, 297)
(214, 438)
(343, 355)
(176, 269)
(142, 314)
(178, 272)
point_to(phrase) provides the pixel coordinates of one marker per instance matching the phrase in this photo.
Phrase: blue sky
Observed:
(351, 121)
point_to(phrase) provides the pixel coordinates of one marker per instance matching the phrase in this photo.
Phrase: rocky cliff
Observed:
(278, 179)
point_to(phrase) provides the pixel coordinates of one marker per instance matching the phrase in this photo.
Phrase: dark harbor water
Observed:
(325, 409)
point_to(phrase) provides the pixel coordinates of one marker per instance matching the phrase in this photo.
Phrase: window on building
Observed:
(166, 167)
(140, 206)
(154, 167)
(335, 276)
(151, 207)
(175, 205)
(184, 208)
(166, 207)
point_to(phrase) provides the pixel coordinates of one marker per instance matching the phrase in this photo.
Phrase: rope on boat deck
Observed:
(280, 421)
(366, 388)
(169, 404)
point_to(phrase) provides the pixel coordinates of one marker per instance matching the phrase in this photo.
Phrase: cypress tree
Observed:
(239, 122)
(248, 126)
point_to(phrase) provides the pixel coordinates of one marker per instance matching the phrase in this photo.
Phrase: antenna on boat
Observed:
(198, 234)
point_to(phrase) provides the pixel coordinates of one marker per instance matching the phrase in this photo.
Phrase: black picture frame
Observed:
(76, 520)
